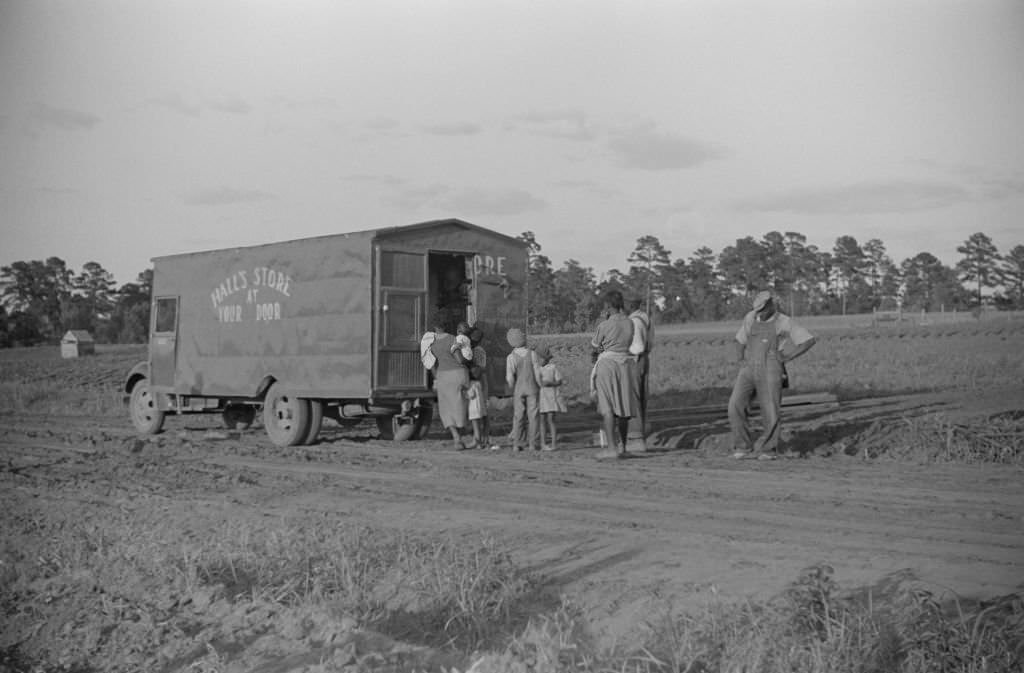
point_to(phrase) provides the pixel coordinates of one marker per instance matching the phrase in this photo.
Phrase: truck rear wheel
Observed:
(401, 427)
(146, 417)
(316, 420)
(285, 417)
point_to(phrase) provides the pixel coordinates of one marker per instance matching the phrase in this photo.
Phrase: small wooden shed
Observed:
(77, 342)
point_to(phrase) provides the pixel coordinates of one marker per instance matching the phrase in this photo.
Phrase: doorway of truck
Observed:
(451, 288)
(415, 290)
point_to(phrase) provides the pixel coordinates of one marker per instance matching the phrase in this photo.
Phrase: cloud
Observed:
(647, 148)
(63, 118)
(452, 129)
(494, 202)
(58, 191)
(1001, 187)
(568, 124)
(375, 179)
(231, 105)
(668, 210)
(381, 124)
(466, 201)
(319, 102)
(223, 196)
(878, 196)
(175, 103)
(589, 186)
(413, 198)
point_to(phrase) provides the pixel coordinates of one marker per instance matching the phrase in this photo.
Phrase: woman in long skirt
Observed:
(614, 380)
(451, 379)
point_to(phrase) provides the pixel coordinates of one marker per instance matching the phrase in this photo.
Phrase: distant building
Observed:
(77, 342)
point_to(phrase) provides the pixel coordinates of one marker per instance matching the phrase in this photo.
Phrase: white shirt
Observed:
(642, 333)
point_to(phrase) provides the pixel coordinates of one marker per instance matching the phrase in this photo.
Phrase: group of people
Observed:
(621, 356)
(459, 365)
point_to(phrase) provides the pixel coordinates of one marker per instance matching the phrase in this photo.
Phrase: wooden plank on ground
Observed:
(809, 398)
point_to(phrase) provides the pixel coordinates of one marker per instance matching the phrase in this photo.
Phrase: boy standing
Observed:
(522, 375)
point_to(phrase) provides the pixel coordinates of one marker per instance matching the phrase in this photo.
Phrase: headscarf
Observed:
(515, 337)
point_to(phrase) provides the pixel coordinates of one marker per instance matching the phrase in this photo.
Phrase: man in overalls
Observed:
(765, 342)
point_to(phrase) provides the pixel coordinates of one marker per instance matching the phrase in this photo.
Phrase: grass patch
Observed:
(862, 363)
(935, 438)
(54, 398)
(815, 626)
(88, 589)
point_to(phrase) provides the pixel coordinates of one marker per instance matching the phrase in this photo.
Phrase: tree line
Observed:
(850, 278)
(41, 300)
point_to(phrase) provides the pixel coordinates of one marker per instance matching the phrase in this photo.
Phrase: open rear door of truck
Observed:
(401, 319)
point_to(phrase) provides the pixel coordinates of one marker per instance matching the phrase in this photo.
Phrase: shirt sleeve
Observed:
(744, 330)
(463, 346)
(510, 371)
(795, 332)
(639, 344)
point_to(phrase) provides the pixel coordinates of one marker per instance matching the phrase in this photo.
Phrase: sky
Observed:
(132, 129)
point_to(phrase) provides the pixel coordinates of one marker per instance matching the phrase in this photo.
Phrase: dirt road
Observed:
(675, 526)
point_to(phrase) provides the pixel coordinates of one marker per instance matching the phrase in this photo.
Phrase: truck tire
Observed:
(146, 417)
(401, 428)
(285, 417)
(238, 416)
(316, 420)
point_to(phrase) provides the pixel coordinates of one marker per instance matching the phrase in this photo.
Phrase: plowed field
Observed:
(664, 530)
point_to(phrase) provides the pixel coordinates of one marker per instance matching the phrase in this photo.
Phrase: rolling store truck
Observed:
(327, 326)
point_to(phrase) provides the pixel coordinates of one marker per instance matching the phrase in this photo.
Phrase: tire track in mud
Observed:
(789, 514)
(674, 519)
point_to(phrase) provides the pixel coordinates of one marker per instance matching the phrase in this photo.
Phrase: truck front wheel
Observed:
(316, 420)
(146, 417)
(285, 417)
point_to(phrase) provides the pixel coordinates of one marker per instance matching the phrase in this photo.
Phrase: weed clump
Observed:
(815, 626)
(935, 438)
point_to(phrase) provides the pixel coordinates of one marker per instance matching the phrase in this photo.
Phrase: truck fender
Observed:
(139, 371)
(264, 386)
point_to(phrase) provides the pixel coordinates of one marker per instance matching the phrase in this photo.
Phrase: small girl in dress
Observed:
(551, 400)
(477, 393)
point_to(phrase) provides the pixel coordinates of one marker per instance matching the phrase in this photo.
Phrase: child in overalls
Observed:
(522, 375)
(760, 351)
